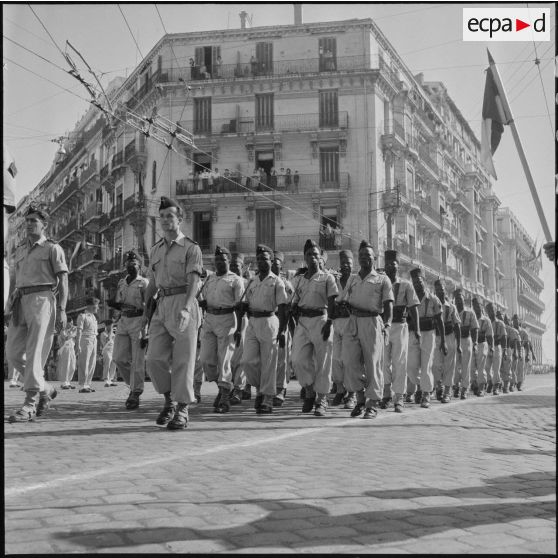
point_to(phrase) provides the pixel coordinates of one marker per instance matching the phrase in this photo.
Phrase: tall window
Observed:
(329, 109)
(202, 115)
(154, 176)
(264, 58)
(327, 48)
(264, 112)
(329, 167)
(202, 229)
(265, 227)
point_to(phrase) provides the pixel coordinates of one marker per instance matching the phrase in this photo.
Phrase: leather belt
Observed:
(399, 314)
(399, 320)
(34, 289)
(426, 324)
(132, 313)
(448, 328)
(465, 332)
(481, 338)
(311, 312)
(260, 314)
(363, 313)
(171, 291)
(219, 311)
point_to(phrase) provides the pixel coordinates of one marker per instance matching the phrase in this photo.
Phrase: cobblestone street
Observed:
(475, 476)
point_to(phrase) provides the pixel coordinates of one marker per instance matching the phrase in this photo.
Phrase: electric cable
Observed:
(128, 26)
(47, 31)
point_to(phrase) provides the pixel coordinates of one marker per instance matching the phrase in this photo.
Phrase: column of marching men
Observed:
(361, 338)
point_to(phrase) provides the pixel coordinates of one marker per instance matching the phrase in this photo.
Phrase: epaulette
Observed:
(190, 239)
(160, 241)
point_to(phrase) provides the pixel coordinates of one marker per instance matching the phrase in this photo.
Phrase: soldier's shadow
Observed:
(371, 527)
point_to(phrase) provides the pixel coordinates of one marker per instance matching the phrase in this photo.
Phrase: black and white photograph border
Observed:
(350, 158)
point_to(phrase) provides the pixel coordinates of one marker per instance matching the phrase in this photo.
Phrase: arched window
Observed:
(154, 176)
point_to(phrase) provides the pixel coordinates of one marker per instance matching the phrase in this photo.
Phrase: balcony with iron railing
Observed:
(427, 209)
(532, 322)
(427, 160)
(89, 172)
(104, 221)
(247, 185)
(93, 211)
(67, 193)
(116, 212)
(86, 257)
(70, 227)
(530, 299)
(103, 175)
(530, 272)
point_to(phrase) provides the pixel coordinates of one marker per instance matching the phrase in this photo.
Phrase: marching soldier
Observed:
(284, 352)
(494, 360)
(524, 345)
(37, 305)
(485, 345)
(174, 277)
(86, 344)
(241, 389)
(128, 354)
(405, 303)
(421, 350)
(198, 367)
(469, 332)
(443, 368)
(368, 295)
(341, 317)
(221, 294)
(529, 353)
(510, 363)
(313, 303)
(265, 294)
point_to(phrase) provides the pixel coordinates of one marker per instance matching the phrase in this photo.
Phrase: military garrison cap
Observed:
(262, 249)
(91, 300)
(365, 244)
(279, 256)
(345, 254)
(222, 251)
(310, 244)
(458, 291)
(391, 256)
(416, 272)
(33, 209)
(439, 282)
(167, 202)
(238, 256)
(131, 256)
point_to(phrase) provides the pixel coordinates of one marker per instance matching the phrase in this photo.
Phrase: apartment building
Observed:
(310, 130)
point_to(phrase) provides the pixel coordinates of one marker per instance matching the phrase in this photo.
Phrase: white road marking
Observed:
(300, 431)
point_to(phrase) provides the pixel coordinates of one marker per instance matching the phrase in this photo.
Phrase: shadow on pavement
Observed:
(526, 400)
(400, 527)
(518, 451)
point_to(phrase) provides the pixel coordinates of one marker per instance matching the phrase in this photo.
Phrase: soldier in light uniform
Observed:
(220, 296)
(485, 346)
(443, 368)
(174, 276)
(405, 303)
(313, 303)
(512, 349)
(524, 345)
(41, 277)
(128, 354)
(66, 363)
(518, 356)
(86, 344)
(284, 352)
(368, 295)
(241, 390)
(494, 360)
(265, 294)
(529, 353)
(106, 339)
(469, 332)
(421, 351)
(341, 319)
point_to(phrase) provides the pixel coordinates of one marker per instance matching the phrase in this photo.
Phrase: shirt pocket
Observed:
(177, 267)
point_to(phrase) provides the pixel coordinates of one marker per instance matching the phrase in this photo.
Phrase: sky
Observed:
(427, 36)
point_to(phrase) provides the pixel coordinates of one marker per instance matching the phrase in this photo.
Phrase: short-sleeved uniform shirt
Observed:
(368, 294)
(223, 291)
(172, 262)
(39, 263)
(468, 319)
(406, 295)
(314, 292)
(87, 323)
(132, 294)
(450, 314)
(513, 336)
(289, 289)
(499, 329)
(524, 336)
(485, 327)
(266, 295)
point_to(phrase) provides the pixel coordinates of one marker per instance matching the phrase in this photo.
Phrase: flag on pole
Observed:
(493, 120)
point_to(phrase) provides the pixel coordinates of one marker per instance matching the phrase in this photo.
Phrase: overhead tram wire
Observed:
(36, 54)
(47, 31)
(128, 26)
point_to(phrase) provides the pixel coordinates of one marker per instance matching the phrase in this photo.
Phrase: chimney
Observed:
(243, 15)
(297, 14)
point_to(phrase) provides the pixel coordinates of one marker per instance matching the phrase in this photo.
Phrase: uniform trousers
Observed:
(128, 354)
(283, 357)
(311, 355)
(443, 368)
(239, 377)
(109, 365)
(338, 371)
(170, 347)
(217, 348)
(520, 375)
(463, 366)
(478, 363)
(505, 370)
(66, 365)
(395, 358)
(421, 359)
(29, 342)
(259, 356)
(87, 359)
(363, 343)
(493, 364)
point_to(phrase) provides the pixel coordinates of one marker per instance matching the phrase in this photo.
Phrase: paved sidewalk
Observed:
(475, 476)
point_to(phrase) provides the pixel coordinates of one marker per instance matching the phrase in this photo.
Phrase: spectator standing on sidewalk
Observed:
(66, 365)
(107, 350)
(86, 344)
